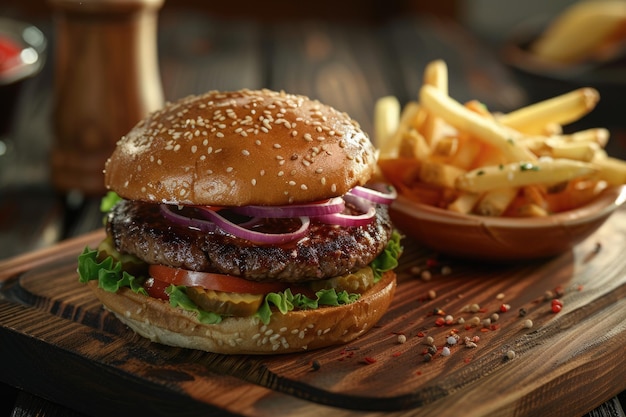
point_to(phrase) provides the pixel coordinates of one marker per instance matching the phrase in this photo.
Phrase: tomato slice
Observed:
(212, 281)
(156, 288)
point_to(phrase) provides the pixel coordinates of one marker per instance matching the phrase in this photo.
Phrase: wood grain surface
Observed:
(52, 326)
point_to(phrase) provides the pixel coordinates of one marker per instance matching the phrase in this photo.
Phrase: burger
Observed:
(245, 222)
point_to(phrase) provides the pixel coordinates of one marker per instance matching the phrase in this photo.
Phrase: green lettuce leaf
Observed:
(388, 259)
(109, 273)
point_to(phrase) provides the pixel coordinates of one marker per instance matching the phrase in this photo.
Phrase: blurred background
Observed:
(87, 88)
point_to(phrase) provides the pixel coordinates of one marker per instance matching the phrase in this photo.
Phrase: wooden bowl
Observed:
(503, 239)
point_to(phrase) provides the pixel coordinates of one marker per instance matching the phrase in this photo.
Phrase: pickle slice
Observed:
(357, 282)
(225, 303)
(130, 263)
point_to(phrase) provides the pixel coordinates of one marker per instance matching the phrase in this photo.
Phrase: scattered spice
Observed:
(495, 317)
(500, 296)
(440, 321)
(315, 365)
(451, 340)
(428, 357)
(522, 312)
(369, 360)
(474, 308)
(446, 270)
(401, 338)
(426, 275)
(557, 305)
(528, 323)
(510, 355)
(505, 307)
(430, 340)
(449, 319)
(432, 294)
(445, 351)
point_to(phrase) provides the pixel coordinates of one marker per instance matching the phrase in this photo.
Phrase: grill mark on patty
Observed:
(328, 251)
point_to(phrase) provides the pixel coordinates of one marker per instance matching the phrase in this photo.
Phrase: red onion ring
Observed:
(333, 205)
(380, 193)
(330, 212)
(348, 220)
(254, 236)
(190, 222)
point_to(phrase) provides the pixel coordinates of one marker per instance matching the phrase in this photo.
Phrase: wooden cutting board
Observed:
(56, 341)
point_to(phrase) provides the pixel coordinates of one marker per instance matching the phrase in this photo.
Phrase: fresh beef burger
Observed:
(244, 222)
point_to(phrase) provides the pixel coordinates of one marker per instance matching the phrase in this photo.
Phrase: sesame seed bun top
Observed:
(240, 148)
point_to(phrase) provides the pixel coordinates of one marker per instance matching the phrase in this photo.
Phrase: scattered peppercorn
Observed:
(528, 323)
(432, 294)
(510, 355)
(557, 305)
(445, 351)
(505, 307)
(315, 365)
(401, 338)
(428, 357)
(522, 312)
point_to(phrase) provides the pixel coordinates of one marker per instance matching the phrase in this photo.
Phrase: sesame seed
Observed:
(229, 169)
(245, 152)
(219, 134)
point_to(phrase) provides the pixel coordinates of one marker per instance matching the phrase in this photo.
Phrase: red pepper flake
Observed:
(420, 334)
(484, 330)
(505, 307)
(418, 372)
(467, 360)
(494, 327)
(396, 354)
(439, 312)
(431, 263)
(440, 321)
(579, 288)
(557, 305)
(369, 360)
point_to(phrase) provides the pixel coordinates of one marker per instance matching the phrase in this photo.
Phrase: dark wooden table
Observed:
(347, 65)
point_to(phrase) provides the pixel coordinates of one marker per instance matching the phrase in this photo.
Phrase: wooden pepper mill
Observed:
(106, 80)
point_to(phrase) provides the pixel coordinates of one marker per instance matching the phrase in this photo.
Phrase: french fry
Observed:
(464, 203)
(495, 202)
(466, 159)
(560, 147)
(408, 119)
(413, 145)
(562, 109)
(580, 31)
(436, 74)
(437, 173)
(598, 135)
(466, 120)
(386, 121)
(543, 171)
(531, 210)
(611, 170)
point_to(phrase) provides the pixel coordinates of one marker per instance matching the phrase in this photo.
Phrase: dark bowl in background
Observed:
(29, 44)
(542, 79)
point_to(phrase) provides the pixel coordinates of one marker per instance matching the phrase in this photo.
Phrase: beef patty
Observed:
(328, 251)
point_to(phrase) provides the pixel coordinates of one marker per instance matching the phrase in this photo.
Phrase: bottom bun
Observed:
(295, 331)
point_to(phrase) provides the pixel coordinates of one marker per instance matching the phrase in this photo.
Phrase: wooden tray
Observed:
(56, 341)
